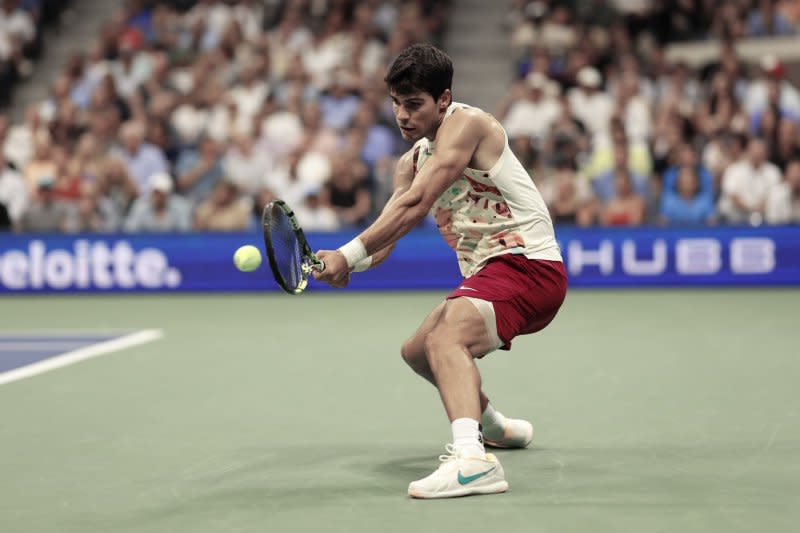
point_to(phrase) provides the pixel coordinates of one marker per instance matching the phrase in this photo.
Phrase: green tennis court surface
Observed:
(671, 411)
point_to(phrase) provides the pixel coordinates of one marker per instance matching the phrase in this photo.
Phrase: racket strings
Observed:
(287, 249)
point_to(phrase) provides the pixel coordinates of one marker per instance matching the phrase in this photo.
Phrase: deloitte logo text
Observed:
(87, 265)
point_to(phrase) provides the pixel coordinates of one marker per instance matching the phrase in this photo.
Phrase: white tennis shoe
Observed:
(515, 434)
(460, 475)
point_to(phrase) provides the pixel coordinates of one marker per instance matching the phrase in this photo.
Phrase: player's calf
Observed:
(417, 360)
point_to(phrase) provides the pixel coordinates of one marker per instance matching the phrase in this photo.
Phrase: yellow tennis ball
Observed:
(247, 258)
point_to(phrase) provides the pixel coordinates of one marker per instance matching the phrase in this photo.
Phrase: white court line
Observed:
(81, 354)
(27, 346)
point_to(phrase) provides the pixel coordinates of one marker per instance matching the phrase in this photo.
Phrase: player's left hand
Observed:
(336, 273)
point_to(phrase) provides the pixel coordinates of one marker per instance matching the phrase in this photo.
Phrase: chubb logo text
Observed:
(88, 264)
(691, 257)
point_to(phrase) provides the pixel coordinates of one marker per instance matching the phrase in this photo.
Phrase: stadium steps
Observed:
(479, 45)
(79, 25)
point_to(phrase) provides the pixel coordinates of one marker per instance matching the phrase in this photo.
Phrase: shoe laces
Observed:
(451, 454)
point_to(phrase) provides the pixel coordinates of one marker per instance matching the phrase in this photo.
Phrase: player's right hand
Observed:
(336, 273)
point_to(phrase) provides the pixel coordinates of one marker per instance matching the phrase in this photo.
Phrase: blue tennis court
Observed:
(23, 349)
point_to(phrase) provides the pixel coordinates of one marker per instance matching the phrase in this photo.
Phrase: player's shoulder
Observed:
(468, 113)
(472, 118)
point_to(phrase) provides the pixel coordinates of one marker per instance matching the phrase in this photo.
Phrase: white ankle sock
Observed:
(467, 437)
(493, 423)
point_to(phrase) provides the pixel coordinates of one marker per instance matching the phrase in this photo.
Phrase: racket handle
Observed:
(320, 266)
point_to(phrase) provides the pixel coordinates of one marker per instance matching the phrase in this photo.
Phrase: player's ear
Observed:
(445, 99)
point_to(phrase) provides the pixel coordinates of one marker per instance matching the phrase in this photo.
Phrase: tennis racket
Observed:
(290, 257)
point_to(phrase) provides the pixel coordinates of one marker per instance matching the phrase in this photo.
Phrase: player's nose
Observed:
(402, 115)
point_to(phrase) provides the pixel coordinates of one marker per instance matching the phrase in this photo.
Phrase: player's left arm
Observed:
(456, 142)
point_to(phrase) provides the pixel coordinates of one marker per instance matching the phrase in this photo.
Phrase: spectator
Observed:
(245, 165)
(197, 116)
(783, 199)
(69, 178)
(764, 20)
(627, 207)
(249, 95)
(728, 22)
(42, 164)
(558, 32)
(316, 136)
(786, 144)
(322, 55)
(107, 96)
(19, 144)
(161, 137)
(534, 114)
(605, 185)
(589, 104)
(368, 50)
(46, 214)
(568, 136)
(687, 158)
(314, 216)
(745, 185)
(116, 184)
(634, 110)
(249, 14)
(142, 159)
(96, 213)
(82, 83)
(159, 210)
(379, 141)
(13, 195)
(211, 17)
(684, 202)
(677, 88)
(224, 210)
(339, 102)
(282, 130)
(17, 24)
(569, 197)
(772, 71)
(4, 129)
(721, 108)
(285, 181)
(348, 196)
(264, 196)
(199, 170)
(774, 111)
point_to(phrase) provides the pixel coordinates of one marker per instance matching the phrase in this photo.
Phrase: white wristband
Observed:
(362, 265)
(354, 251)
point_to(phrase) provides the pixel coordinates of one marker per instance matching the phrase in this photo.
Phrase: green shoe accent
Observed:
(463, 480)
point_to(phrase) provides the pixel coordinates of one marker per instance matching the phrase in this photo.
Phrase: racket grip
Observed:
(320, 266)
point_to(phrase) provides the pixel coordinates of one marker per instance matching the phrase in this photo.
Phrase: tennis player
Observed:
(489, 211)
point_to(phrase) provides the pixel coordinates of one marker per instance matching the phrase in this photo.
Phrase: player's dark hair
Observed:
(420, 67)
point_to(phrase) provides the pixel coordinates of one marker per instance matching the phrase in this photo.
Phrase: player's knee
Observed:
(406, 352)
(411, 354)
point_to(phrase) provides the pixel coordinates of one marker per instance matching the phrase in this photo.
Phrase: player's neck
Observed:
(432, 135)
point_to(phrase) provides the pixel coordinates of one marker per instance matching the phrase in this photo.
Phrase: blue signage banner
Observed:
(642, 257)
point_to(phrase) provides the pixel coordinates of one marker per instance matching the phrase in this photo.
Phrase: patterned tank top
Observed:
(487, 213)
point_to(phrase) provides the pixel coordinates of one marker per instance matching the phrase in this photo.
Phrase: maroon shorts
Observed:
(526, 293)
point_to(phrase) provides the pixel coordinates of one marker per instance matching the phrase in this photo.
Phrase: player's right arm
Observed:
(403, 176)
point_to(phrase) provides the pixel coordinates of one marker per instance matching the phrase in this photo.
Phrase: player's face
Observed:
(417, 114)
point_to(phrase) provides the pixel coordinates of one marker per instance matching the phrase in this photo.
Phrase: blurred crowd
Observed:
(22, 24)
(192, 115)
(616, 134)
